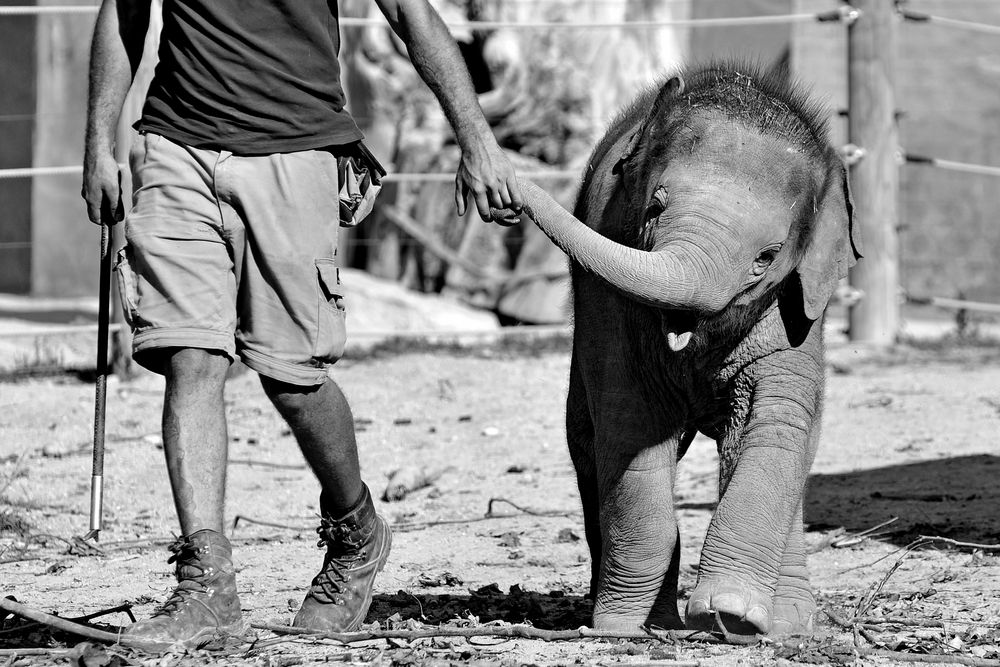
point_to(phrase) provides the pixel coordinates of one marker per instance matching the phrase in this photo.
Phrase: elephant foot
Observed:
(794, 608)
(736, 608)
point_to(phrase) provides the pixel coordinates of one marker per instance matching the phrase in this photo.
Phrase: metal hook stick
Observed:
(100, 402)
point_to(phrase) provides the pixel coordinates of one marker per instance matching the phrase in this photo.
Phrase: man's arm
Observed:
(115, 52)
(484, 169)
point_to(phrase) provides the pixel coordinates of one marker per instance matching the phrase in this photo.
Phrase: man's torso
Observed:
(251, 77)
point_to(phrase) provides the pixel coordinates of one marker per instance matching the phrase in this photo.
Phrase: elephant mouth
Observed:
(678, 327)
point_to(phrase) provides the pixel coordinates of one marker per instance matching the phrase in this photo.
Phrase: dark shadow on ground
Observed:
(958, 498)
(548, 611)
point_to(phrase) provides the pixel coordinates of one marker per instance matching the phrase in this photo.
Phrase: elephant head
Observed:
(724, 191)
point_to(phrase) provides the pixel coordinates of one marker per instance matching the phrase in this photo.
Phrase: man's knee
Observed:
(195, 365)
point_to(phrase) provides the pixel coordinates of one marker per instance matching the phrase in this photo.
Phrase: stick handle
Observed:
(100, 402)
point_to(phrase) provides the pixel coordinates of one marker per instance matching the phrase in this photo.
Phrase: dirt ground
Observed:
(908, 435)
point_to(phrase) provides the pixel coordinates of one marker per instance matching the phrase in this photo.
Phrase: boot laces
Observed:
(342, 553)
(185, 554)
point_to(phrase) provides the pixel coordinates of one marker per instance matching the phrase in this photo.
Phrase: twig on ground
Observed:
(857, 538)
(939, 658)
(18, 652)
(839, 620)
(826, 541)
(955, 543)
(519, 631)
(878, 560)
(733, 638)
(525, 510)
(865, 603)
(267, 464)
(898, 620)
(418, 525)
(873, 640)
(270, 524)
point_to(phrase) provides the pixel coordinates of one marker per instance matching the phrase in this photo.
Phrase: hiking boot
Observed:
(205, 603)
(357, 546)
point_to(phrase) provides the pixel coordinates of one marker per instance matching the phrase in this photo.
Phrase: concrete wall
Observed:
(17, 127)
(65, 246)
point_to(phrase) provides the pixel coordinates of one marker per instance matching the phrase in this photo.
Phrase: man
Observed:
(231, 245)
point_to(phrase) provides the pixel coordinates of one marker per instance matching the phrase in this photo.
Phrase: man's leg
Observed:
(323, 425)
(195, 443)
(195, 440)
(357, 540)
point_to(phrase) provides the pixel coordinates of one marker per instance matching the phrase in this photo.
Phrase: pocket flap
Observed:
(329, 278)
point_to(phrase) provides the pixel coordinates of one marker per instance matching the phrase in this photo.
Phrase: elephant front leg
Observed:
(752, 577)
(794, 603)
(640, 555)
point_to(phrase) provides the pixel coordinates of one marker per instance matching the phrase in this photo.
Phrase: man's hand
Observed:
(487, 174)
(102, 189)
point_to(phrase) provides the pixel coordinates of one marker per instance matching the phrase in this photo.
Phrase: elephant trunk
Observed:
(665, 278)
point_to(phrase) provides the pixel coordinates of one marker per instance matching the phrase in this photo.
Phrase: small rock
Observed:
(491, 431)
(567, 535)
(510, 539)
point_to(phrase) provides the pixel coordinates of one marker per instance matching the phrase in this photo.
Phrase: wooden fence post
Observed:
(871, 49)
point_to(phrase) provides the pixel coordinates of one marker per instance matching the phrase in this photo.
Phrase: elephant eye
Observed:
(657, 204)
(764, 259)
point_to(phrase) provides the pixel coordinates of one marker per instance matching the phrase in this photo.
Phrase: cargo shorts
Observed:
(235, 254)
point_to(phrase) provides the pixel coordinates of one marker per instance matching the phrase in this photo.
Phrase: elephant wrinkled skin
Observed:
(713, 224)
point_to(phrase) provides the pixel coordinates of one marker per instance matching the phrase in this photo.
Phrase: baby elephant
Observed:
(712, 227)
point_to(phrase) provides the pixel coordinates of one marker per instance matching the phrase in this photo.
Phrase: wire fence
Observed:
(845, 15)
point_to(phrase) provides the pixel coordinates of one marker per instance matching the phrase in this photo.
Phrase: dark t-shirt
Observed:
(249, 76)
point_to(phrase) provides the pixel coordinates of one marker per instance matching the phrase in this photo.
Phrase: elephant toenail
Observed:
(759, 617)
(729, 603)
(698, 608)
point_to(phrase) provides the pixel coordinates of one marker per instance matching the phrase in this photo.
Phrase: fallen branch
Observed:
(955, 543)
(502, 631)
(69, 627)
(122, 608)
(937, 658)
(898, 620)
(18, 652)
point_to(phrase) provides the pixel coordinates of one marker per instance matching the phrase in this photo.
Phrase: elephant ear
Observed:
(673, 88)
(834, 245)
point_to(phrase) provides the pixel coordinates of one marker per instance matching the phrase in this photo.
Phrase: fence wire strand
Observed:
(951, 165)
(345, 21)
(975, 26)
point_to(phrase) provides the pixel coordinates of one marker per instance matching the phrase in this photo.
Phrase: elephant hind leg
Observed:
(580, 438)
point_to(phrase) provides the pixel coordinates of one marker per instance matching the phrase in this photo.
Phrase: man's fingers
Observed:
(514, 192)
(93, 212)
(483, 206)
(461, 192)
(112, 210)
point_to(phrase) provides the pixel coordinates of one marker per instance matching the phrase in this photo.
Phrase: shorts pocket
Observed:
(331, 334)
(126, 285)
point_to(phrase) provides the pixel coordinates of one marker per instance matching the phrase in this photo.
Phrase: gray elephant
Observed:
(716, 223)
